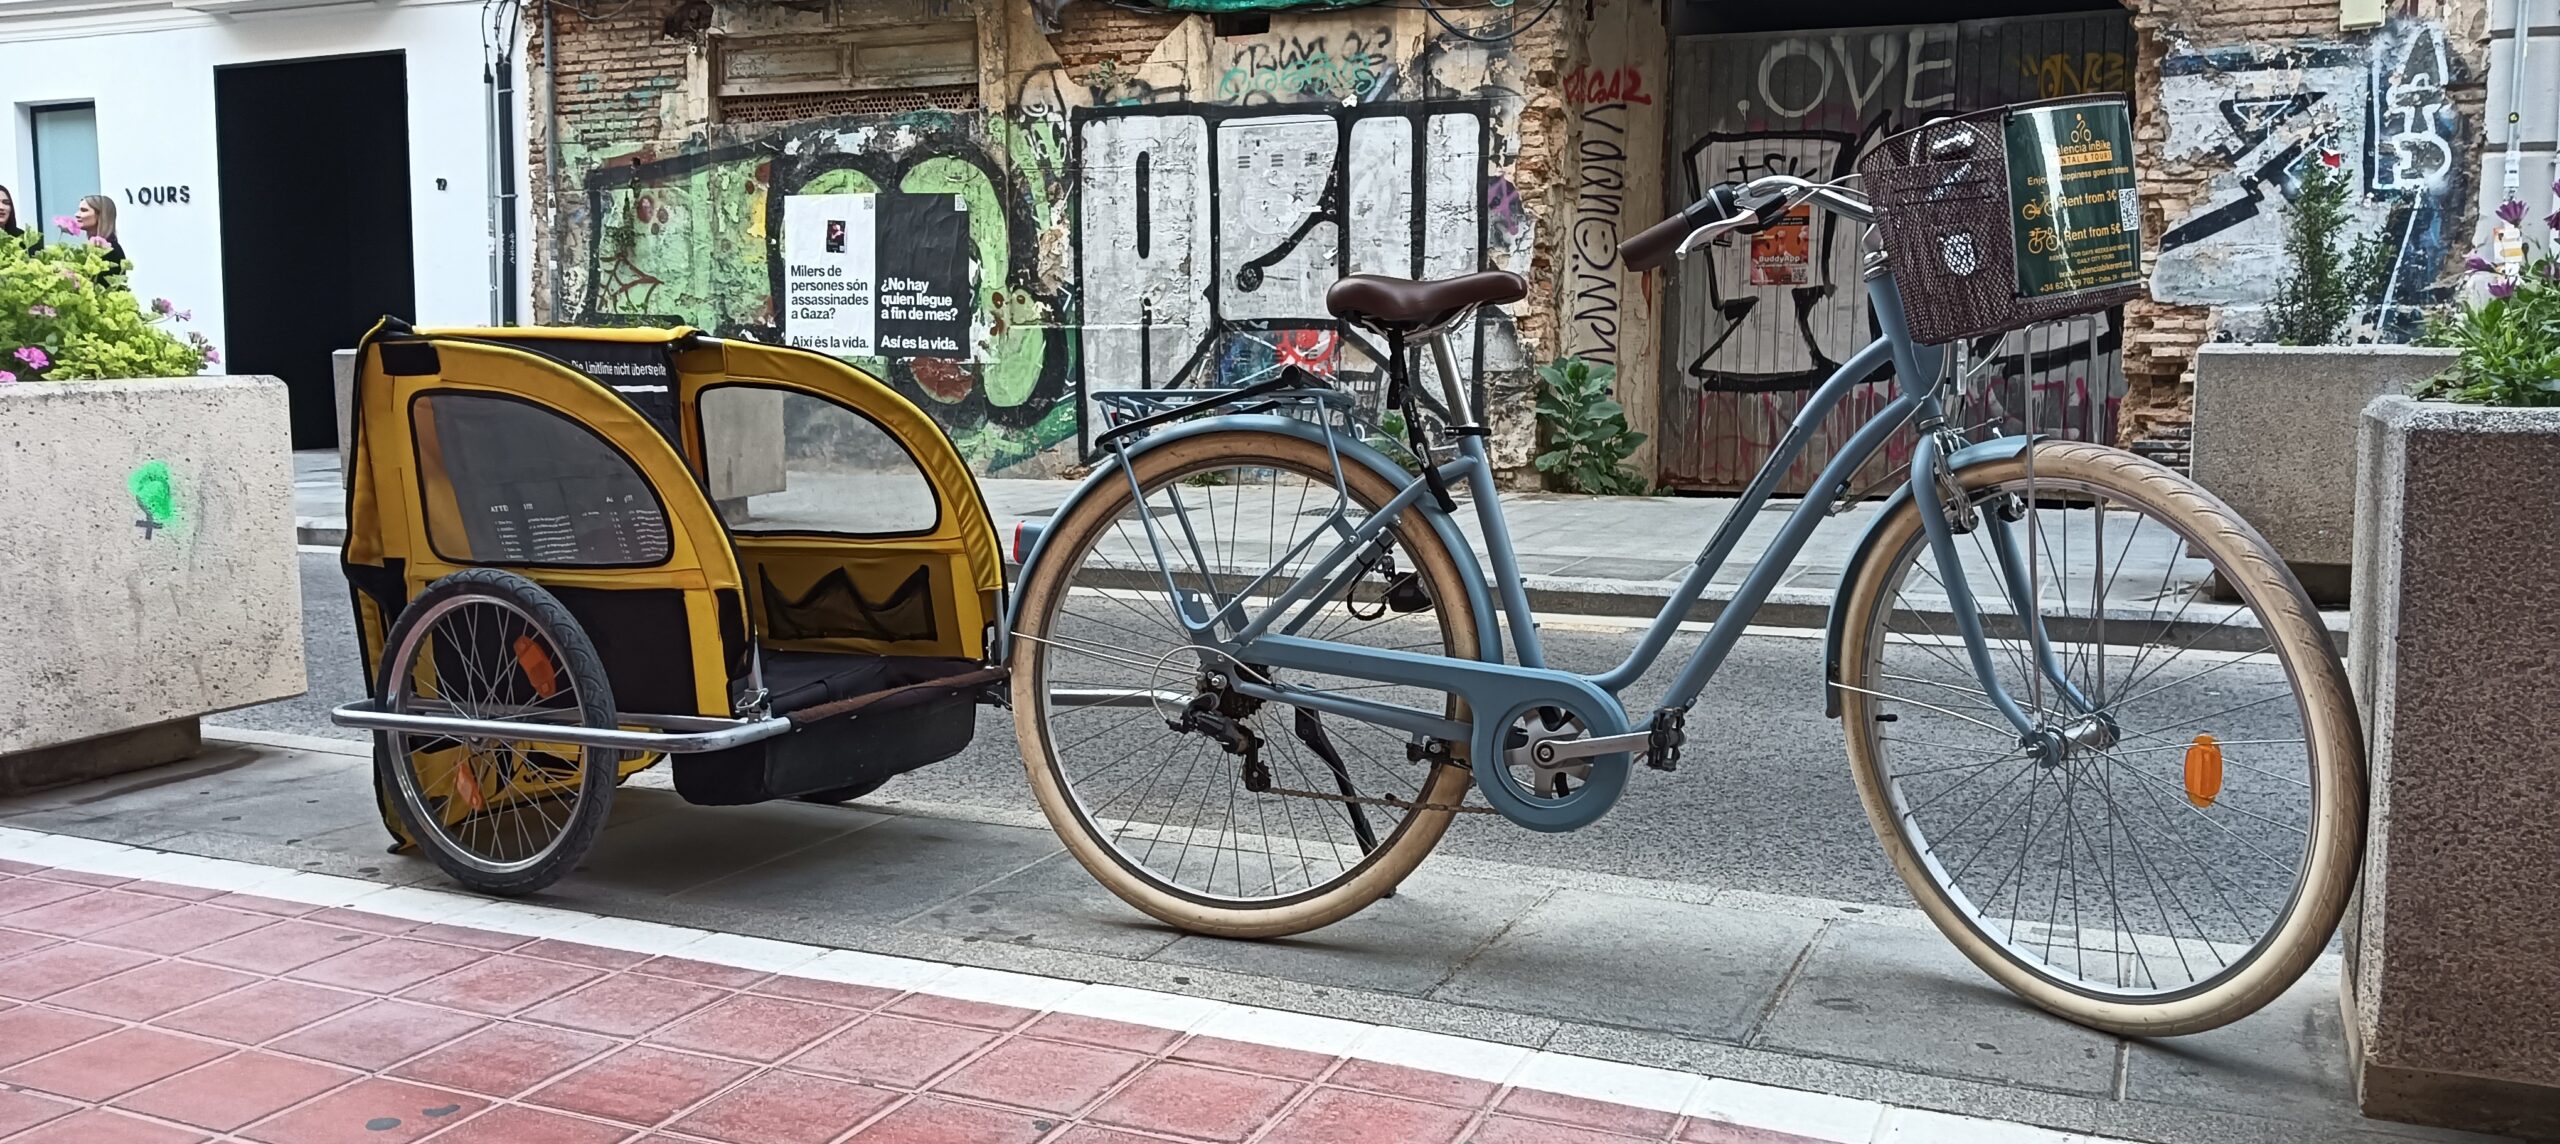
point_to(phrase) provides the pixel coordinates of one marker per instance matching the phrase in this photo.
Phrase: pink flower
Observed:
(162, 306)
(2511, 210)
(70, 275)
(186, 315)
(40, 310)
(6, 377)
(33, 356)
(66, 224)
(98, 242)
(212, 356)
(2502, 288)
(2477, 265)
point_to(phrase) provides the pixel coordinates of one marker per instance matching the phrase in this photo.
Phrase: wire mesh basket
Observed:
(2004, 218)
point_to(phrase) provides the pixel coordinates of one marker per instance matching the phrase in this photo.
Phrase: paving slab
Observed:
(1054, 904)
(666, 853)
(1408, 943)
(2289, 1059)
(882, 874)
(1699, 971)
(1906, 999)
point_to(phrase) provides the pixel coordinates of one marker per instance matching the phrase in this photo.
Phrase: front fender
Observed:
(1983, 452)
(1352, 451)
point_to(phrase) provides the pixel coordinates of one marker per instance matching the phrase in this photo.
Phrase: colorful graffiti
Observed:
(1759, 322)
(2257, 118)
(1338, 67)
(1210, 233)
(688, 239)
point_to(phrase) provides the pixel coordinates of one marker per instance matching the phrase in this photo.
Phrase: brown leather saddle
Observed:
(1409, 308)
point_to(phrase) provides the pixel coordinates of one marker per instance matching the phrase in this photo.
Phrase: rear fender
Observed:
(1980, 453)
(1352, 451)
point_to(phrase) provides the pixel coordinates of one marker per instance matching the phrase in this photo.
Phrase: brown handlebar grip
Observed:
(1657, 244)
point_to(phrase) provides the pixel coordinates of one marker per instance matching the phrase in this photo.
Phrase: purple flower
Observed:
(162, 306)
(40, 310)
(2477, 265)
(212, 356)
(2502, 288)
(33, 356)
(2511, 210)
(186, 315)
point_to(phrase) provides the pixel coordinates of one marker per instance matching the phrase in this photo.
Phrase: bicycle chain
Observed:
(1366, 800)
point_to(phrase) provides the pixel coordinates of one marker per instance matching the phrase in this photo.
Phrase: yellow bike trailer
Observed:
(575, 552)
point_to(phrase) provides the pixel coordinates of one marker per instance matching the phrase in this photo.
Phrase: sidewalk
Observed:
(1608, 556)
(1519, 962)
(153, 996)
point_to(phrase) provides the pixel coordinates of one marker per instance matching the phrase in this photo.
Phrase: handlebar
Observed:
(1728, 207)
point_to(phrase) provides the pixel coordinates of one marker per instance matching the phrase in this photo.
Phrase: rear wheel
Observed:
(1132, 735)
(2174, 846)
(501, 816)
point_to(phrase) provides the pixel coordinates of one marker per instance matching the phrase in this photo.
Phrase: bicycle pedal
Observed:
(1665, 737)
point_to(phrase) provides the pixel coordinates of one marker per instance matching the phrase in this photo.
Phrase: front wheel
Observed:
(2174, 844)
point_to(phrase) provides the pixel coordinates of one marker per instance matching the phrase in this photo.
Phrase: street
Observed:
(1763, 800)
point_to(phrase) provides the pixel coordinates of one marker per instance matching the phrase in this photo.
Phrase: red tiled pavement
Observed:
(157, 1015)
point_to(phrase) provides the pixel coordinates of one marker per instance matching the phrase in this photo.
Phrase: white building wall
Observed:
(150, 73)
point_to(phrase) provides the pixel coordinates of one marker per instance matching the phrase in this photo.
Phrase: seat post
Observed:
(1453, 395)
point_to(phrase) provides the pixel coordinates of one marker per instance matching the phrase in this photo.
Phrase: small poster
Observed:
(829, 303)
(1782, 254)
(2072, 202)
(884, 274)
(924, 276)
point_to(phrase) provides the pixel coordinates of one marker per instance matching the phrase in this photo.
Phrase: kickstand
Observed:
(1311, 732)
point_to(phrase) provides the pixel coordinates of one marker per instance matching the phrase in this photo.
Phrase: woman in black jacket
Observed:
(97, 219)
(10, 227)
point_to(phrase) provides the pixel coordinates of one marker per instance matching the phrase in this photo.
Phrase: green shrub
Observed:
(2322, 290)
(65, 316)
(1582, 431)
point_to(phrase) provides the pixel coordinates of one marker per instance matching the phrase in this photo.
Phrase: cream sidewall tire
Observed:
(1397, 855)
(2329, 719)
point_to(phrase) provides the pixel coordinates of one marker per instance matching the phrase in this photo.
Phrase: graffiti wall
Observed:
(1165, 217)
(2256, 118)
(1614, 99)
(1758, 323)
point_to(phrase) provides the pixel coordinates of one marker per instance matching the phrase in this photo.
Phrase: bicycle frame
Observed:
(1499, 693)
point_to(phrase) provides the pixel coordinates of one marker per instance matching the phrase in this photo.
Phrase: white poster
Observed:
(829, 255)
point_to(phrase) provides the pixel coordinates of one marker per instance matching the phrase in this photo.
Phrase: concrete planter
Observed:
(2453, 952)
(2275, 438)
(150, 569)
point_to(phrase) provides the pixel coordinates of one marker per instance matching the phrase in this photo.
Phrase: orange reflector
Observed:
(2204, 771)
(537, 667)
(466, 783)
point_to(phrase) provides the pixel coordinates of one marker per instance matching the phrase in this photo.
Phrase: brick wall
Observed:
(621, 81)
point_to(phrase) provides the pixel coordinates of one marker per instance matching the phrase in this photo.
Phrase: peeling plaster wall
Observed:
(1151, 204)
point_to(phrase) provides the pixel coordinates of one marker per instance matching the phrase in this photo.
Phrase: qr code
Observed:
(2129, 208)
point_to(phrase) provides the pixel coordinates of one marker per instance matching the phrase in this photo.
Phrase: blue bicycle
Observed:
(1257, 669)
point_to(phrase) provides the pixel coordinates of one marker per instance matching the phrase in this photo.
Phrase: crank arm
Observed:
(1553, 751)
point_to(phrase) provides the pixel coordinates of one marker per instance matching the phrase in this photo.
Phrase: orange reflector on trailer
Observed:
(466, 783)
(2204, 771)
(537, 666)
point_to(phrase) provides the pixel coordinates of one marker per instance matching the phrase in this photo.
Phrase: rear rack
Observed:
(672, 734)
(1133, 413)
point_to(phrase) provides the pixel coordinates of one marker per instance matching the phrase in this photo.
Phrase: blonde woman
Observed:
(97, 219)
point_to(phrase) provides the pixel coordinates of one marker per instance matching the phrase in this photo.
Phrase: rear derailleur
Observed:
(1219, 713)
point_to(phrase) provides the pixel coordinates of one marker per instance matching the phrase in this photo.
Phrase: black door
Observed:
(315, 219)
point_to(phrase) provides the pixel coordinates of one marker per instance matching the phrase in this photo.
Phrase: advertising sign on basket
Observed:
(2077, 217)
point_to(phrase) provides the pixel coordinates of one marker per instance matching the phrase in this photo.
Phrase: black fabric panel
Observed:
(388, 587)
(641, 636)
(831, 754)
(410, 359)
(641, 373)
(735, 645)
(799, 680)
(833, 608)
